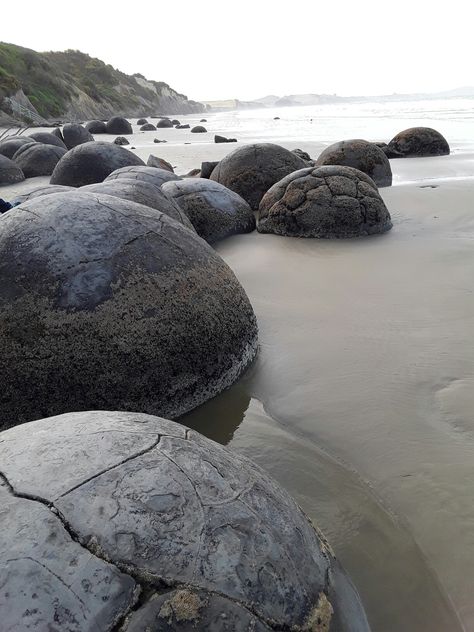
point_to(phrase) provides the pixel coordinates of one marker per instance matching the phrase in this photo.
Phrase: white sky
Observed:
(216, 49)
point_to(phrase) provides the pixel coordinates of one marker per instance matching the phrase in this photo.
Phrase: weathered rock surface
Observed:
(11, 145)
(148, 127)
(39, 191)
(38, 159)
(251, 170)
(207, 168)
(419, 141)
(141, 192)
(96, 127)
(325, 202)
(118, 125)
(215, 211)
(302, 154)
(48, 138)
(164, 123)
(159, 163)
(10, 172)
(109, 304)
(129, 506)
(75, 134)
(198, 129)
(361, 155)
(121, 140)
(92, 162)
(153, 175)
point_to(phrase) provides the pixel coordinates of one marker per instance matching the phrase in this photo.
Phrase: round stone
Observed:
(153, 175)
(92, 162)
(324, 202)
(10, 172)
(118, 125)
(215, 211)
(198, 129)
(126, 517)
(419, 141)
(75, 134)
(142, 121)
(39, 191)
(96, 127)
(48, 139)
(361, 155)
(251, 170)
(38, 159)
(164, 123)
(109, 304)
(148, 127)
(11, 145)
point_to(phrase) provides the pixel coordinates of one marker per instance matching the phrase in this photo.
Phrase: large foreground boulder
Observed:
(109, 304)
(118, 125)
(153, 175)
(251, 170)
(123, 517)
(96, 127)
(215, 211)
(141, 192)
(10, 172)
(48, 139)
(324, 202)
(12, 144)
(75, 134)
(38, 159)
(92, 162)
(419, 142)
(361, 155)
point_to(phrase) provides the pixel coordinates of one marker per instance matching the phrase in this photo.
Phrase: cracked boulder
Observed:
(215, 211)
(75, 134)
(105, 303)
(10, 145)
(38, 159)
(153, 175)
(362, 155)
(124, 521)
(141, 192)
(419, 142)
(251, 170)
(92, 162)
(324, 202)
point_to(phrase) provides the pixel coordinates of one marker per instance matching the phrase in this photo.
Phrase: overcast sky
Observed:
(215, 49)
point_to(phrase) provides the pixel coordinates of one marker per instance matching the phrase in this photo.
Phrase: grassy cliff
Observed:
(72, 84)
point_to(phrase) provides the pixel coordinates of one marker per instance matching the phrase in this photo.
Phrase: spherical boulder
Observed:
(96, 127)
(10, 172)
(361, 155)
(215, 211)
(198, 129)
(92, 162)
(109, 304)
(141, 192)
(38, 159)
(251, 170)
(148, 127)
(75, 134)
(48, 139)
(419, 142)
(324, 202)
(153, 175)
(118, 125)
(121, 140)
(164, 123)
(142, 121)
(39, 191)
(12, 144)
(127, 517)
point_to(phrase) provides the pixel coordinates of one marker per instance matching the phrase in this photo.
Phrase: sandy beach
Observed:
(360, 401)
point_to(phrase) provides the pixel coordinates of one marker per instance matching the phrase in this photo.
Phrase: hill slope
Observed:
(72, 85)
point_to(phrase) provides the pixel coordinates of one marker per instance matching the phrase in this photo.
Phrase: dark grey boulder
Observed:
(164, 123)
(361, 155)
(57, 132)
(39, 191)
(92, 162)
(159, 163)
(251, 170)
(10, 172)
(207, 168)
(389, 152)
(198, 129)
(142, 121)
(194, 173)
(141, 192)
(325, 202)
(118, 125)
(11, 145)
(75, 134)
(157, 140)
(109, 304)
(419, 142)
(175, 122)
(302, 154)
(183, 126)
(133, 522)
(148, 174)
(121, 140)
(48, 139)
(96, 127)
(223, 139)
(148, 127)
(215, 211)
(203, 121)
